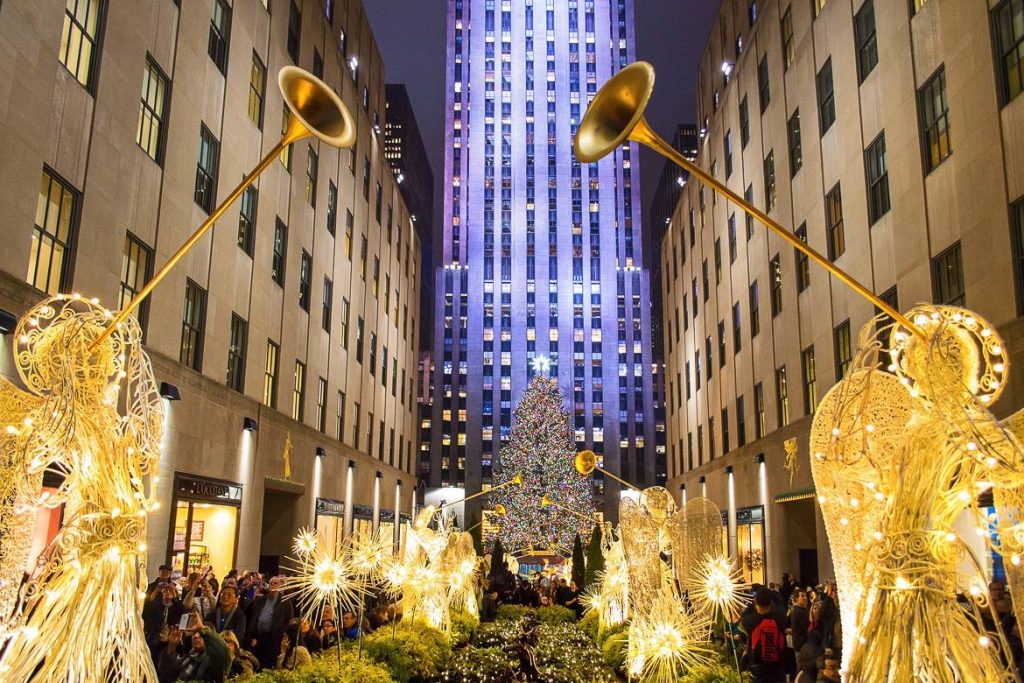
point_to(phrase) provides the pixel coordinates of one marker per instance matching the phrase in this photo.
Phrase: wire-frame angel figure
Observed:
(93, 417)
(901, 447)
(669, 553)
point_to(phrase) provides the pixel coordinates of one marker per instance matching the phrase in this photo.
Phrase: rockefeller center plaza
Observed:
(507, 341)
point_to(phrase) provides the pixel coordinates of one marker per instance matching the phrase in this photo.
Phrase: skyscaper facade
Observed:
(541, 262)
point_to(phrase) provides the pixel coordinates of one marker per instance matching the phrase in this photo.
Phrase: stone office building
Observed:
(887, 135)
(285, 342)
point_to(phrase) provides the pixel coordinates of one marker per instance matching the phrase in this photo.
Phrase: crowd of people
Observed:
(202, 629)
(502, 587)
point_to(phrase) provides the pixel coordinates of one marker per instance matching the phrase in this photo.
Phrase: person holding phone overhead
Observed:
(160, 615)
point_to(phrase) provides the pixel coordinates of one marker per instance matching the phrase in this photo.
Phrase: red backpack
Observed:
(766, 641)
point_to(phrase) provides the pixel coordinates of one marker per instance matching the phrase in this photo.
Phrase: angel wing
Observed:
(640, 544)
(854, 443)
(699, 536)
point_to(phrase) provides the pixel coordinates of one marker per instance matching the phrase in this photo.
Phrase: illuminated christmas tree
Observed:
(543, 448)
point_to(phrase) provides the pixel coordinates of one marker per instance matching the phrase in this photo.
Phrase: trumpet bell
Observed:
(317, 107)
(586, 461)
(615, 111)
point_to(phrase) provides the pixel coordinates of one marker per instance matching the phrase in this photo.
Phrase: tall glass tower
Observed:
(541, 263)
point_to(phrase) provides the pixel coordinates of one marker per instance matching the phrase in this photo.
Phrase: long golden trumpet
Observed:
(314, 110)
(617, 114)
(586, 462)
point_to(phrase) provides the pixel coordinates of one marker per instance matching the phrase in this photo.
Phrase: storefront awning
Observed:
(284, 486)
(795, 494)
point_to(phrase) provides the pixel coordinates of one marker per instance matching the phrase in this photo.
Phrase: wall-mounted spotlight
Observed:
(351, 464)
(728, 469)
(760, 458)
(379, 475)
(169, 391)
(8, 322)
(321, 452)
(702, 480)
(250, 424)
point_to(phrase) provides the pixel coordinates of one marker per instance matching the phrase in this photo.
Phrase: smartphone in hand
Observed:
(183, 624)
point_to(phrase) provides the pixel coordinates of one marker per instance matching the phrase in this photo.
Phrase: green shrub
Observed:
(325, 669)
(613, 649)
(512, 612)
(595, 558)
(715, 673)
(556, 614)
(412, 652)
(590, 624)
(464, 628)
(604, 635)
(480, 665)
(565, 653)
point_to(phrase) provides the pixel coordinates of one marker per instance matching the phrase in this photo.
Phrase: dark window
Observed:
(796, 151)
(826, 97)
(373, 354)
(305, 278)
(769, 180)
(286, 153)
(327, 304)
(366, 178)
(948, 277)
(737, 324)
(220, 34)
(710, 368)
(744, 123)
(257, 90)
(1017, 226)
(803, 262)
(359, 339)
(877, 167)
(705, 281)
(312, 171)
(725, 431)
(755, 309)
(843, 349)
(810, 380)
(321, 405)
(236, 353)
(270, 374)
(752, 12)
(1008, 20)
(718, 261)
(764, 91)
(294, 31)
(732, 238)
(332, 207)
(277, 263)
(775, 273)
(759, 420)
(193, 321)
(79, 38)
(890, 297)
(206, 169)
(721, 343)
(378, 203)
(53, 236)
(355, 426)
(247, 219)
(341, 416)
(299, 392)
(318, 64)
(788, 47)
(834, 223)
(149, 134)
(344, 323)
(136, 269)
(867, 43)
(781, 396)
(935, 120)
(727, 150)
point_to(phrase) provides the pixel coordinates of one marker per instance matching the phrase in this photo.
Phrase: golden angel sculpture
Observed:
(901, 447)
(669, 552)
(93, 417)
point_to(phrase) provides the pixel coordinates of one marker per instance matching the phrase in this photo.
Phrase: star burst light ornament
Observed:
(719, 586)
(94, 417)
(667, 641)
(324, 574)
(900, 448)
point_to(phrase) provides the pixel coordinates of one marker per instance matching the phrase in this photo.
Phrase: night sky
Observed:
(670, 34)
